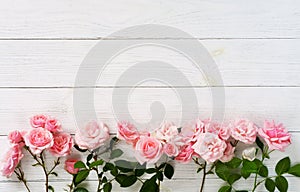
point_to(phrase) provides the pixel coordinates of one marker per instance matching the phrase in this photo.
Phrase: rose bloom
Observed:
(191, 131)
(148, 149)
(69, 166)
(210, 147)
(127, 132)
(11, 160)
(52, 125)
(38, 139)
(62, 146)
(244, 131)
(228, 153)
(166, 132)
(15, 137)
(185, 154)
(171, 149)
(276, 136)
(92, 136)
(222, 131)
(38, 121)
(249, 153)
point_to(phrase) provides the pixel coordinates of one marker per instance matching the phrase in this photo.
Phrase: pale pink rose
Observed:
(244, 130)
(38, 139)
(166, 132)
(228, 153)
(15, 137)
(52, 125)
(11, 160)
(62, 146)
(171, 149)
(148, 149)
(38, 121)
(92, 136)
(276, 136)
(191, 131)
(222, 131)
(127, 132)
(210, 147)
(69, 166)
(185, 154)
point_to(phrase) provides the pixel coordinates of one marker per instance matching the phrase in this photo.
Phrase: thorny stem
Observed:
(21, 177)
(45, 172)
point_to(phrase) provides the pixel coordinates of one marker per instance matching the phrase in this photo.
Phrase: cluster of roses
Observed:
(208, 140)
(46, 134)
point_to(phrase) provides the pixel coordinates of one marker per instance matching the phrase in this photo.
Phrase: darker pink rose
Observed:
(62, 146)
(38, 139)
(69, 166)
(276, 136)
(15, 137)
(127, 132)
(11, 160)
(38, 121)
(171, 149)
(148, 149)
(185, 154)
(52, 125)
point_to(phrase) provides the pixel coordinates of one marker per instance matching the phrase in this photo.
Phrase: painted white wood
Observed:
(202, 19)
(240, 62)
(257, 104)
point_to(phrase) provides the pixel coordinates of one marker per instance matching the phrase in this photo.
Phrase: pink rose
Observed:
(15, 137)
(185, 154)
(222, 131)
(166, 132)
(127, 132)
(148, 149)
(191, 131)
(38, 139)
(210, 147)
(228, 153)
(38, 121)
(69, 166)
(62, 146)
(244, 130)
(170, 149)
(52, 125)
(11, 160)
(276, 136)
(92, 136)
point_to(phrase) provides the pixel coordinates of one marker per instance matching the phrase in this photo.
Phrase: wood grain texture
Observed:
(202, 19)
(240, 62)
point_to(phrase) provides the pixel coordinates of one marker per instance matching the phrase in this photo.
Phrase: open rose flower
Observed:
(222, 131)
(190, 131)
(92, 136)
(38, 139)
(171, 149)
(38, 121)
(148, 149)
(210, 147)
(127, 132)
(69, 166)
(185, 154)
(276, 136)
(15, 137)
(52, 125)
(244, 130)
(166, 132)
(228, 153)
(62, 146)
(11, 160)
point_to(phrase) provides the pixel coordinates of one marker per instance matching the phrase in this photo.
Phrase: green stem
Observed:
(21, 178)
(203, 178)
(45, 172)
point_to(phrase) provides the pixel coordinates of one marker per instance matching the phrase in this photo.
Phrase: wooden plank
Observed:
(255, 103)
(240, 62)
(202, 19)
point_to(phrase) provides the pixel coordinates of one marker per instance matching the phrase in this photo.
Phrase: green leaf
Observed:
(104, 179)
(51, 188)
(225, 189)
(151, 170)
(169, 171)
(128, 181)
(114, 172)
(79, 164)
(107, 187)
(249, 166)
(234, 163)
(283, 166)
(78, 149)
(116, 153)
(54, 173)
(81, 189)
(89, 157)
(120, 178)
(233, 178)
(259, 144)
(245, 174)
(270, 185)
(160, 176)
(139, 172)
(281, 184)
(96, 163)
(263, 171)
(222, 171)
(199, 169)
(295, 170)
(162, 166)
(81, 176)
(150, 185)
(108, 167)
(125, 166)
(36, 164)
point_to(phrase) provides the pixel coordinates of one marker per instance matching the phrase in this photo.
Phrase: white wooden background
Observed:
(254, 43)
